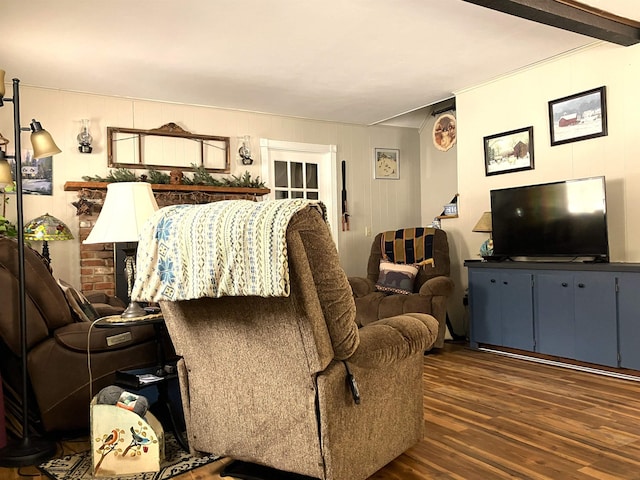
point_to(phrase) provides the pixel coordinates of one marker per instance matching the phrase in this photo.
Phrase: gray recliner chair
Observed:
(264, 379)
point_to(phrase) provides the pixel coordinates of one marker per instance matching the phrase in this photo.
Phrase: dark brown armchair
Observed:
(57, 346)
(431, 289)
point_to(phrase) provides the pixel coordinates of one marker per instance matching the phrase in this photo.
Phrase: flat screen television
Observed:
(559, 219)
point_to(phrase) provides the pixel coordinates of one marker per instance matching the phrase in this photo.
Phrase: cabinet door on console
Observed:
(517, 310)
(629, 319)
(576, 316)
(595, 316)
(555, 322)
(484, 300)
(501, 308)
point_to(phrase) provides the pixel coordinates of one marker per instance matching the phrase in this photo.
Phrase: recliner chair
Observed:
(430, 291)
(264, 379)
(57, 346)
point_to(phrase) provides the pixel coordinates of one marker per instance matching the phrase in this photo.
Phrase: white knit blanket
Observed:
(227, 248)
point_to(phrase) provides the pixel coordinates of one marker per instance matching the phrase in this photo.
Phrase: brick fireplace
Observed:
(102, 266)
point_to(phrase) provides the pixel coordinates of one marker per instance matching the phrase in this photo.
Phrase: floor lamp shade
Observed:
(42, 141)
(126, 208)
(5, 171)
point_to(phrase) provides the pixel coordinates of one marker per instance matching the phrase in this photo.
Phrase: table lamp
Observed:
(484, 226)
(126, 208)
(47, 228)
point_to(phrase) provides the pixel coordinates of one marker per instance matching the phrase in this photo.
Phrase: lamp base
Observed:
(486, 249)
(134, 310)
(26, 452)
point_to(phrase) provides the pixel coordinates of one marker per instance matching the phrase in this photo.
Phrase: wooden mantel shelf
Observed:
(77, 186)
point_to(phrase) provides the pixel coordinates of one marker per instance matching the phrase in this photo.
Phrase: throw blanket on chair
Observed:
(226, 248)
(408, 246)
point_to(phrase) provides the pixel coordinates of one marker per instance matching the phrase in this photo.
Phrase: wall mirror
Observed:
(166, 148)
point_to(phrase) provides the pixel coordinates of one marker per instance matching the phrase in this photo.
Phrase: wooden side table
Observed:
(163, 373)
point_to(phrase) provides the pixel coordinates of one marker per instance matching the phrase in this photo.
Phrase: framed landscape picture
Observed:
(386, 163)
(578, 117)
(509, 151)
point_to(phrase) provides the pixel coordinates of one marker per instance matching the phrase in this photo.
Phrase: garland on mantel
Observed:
(200, 177)
(90, 200)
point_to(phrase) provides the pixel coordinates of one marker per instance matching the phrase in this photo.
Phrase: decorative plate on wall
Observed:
(444, 132)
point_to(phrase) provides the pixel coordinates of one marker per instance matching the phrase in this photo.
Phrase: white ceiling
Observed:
(354, 61)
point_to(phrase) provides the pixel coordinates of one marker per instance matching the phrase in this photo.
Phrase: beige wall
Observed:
(428, 177)
(521, 100)
(439, 185)
(378, 204)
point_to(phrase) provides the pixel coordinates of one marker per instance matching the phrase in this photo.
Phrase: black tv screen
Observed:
(559, 219)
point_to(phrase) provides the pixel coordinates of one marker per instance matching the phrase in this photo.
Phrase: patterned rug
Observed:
(78, 466)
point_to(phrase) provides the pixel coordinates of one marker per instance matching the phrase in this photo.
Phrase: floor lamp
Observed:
(30, 449)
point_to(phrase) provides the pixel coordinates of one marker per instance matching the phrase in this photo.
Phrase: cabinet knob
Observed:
(581, 285)
(505, 282)
(493, 280)
(565, 284)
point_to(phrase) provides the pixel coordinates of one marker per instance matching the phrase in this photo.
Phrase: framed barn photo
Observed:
(578, 117)
(386, 163)
(509, 151)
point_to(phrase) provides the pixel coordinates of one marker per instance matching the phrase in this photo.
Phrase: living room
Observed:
(383, 204)
(428, 178)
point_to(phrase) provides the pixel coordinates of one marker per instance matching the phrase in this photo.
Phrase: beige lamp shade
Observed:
(42, 142)
(5, 171)
(127, 206)
(1, 84)
(484, 223)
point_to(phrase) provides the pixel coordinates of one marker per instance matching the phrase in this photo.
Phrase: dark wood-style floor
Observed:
(493, 417)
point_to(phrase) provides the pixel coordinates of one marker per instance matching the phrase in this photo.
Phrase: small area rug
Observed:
(78, 466)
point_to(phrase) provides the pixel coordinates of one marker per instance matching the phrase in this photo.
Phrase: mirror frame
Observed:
(168, 130)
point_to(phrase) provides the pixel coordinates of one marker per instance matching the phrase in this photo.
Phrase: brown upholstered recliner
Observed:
(264, 379)
(57, 345)
(431, 289)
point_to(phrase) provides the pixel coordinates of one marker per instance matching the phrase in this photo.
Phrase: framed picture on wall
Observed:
(37, 174)
(386, 163)
(444, 132)
(509, 151)
(578, 117)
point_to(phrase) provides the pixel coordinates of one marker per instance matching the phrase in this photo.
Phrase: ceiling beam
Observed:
(570, 15)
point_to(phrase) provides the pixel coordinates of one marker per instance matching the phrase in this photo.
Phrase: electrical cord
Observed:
(89, 358)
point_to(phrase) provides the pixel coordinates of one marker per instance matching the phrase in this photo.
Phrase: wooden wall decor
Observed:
(165, 148)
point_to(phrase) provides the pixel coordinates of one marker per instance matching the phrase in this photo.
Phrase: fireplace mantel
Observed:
(258, 192)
